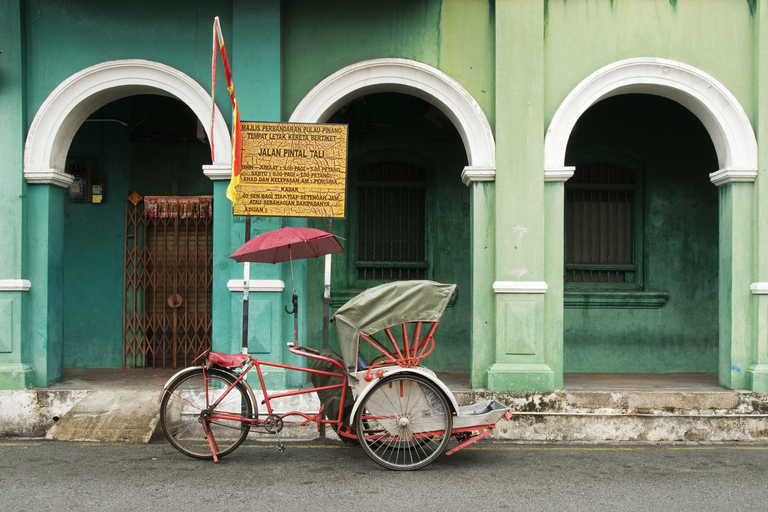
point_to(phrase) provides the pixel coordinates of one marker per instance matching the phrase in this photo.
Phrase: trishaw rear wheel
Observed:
(404, 423)
(185, 403)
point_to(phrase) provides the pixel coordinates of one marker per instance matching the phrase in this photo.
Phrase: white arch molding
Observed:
(709, 100)
(416, 79)
(70, 104)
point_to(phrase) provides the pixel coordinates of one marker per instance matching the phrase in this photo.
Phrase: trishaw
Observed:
(376, 394)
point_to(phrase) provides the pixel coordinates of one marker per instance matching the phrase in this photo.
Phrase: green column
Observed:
(482, 264)
(735, 277)
(15, 370)
(43, 259)
(554, 248)
(757, 374)
(523, 360)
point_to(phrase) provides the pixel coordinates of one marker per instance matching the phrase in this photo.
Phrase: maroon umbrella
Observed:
(287, 244)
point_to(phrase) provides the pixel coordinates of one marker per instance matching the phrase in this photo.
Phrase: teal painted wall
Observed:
(321, 37)
(176, 32)
(681, 244)
(547, 48)
(13, 232)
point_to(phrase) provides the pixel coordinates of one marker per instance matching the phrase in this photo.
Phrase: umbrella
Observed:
(286, 244)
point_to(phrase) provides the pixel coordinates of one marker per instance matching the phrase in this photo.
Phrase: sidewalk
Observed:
(591, 407)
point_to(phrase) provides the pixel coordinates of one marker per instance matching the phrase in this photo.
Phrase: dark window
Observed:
(391, 222)
(601, 215)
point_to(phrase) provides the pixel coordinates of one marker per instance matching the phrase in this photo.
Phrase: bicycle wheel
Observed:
(185, 405)
(404, 423)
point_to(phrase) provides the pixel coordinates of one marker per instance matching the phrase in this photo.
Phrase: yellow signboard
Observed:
(292, 170)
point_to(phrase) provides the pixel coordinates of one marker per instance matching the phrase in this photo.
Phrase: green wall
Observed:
(321, 37)
(680, 244)
(581, 36)
(536, 50)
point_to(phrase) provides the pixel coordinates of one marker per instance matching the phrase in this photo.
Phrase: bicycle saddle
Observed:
(229, 360)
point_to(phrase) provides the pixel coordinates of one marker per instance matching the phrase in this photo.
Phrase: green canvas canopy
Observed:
(388, 305)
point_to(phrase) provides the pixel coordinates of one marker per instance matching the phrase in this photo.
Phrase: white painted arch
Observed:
(70, 104)
(416, 79)
(708, 99)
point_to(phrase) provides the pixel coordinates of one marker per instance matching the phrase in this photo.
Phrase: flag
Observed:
(237, 143)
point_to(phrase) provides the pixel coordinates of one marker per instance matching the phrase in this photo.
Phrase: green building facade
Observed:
(586, 171)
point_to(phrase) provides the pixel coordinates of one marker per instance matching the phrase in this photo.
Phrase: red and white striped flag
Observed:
(237, 143)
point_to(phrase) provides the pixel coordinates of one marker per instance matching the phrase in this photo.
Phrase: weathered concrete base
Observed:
(31, 412)
(130, 414)
(118, 415)
(630, 415)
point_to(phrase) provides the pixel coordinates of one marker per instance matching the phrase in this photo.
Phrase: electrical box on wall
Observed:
(79, 190)
(87, 186)
(98, 188)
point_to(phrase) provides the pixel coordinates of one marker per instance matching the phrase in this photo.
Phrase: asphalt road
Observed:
(326, 475)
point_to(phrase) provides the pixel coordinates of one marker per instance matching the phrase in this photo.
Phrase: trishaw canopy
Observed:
(388, 305)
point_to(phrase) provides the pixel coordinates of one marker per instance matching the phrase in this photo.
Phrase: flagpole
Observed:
(218, 45)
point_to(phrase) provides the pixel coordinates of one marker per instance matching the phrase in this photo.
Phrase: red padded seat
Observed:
(230, 360)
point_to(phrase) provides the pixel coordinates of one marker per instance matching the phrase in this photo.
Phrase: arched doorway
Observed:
(407, 212)
(45, 168)
(145, 239)
(436, 90)
(641, 241)
(735, 146)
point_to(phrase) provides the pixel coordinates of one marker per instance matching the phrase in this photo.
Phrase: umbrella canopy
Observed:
(287, 244)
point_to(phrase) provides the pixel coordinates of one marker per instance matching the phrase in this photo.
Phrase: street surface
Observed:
(327, 475)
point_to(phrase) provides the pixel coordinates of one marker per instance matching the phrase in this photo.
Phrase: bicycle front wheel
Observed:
(404, 423)
(185, 405)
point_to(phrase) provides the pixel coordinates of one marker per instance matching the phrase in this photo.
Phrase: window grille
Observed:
(391, 222)
(600, 216)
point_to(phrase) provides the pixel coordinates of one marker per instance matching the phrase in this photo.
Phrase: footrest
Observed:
(479, 414)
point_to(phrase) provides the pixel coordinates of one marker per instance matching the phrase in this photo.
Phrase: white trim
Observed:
(15, 285)
(409, 77)
(725, 176)
(472, 174)
(759, 288)
(218, 172)
(563, 174)
(709, 100)
(51, 177)
(70, 104)
(520, 287)
(256, 285)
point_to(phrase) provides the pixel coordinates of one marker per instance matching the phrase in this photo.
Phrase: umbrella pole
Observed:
(246, 282)
(295, 311)
(327, 289)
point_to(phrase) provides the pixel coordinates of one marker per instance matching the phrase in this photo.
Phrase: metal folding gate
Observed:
(167, 280)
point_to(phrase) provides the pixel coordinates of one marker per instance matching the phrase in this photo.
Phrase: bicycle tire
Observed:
(184, 402)
(404, 423)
